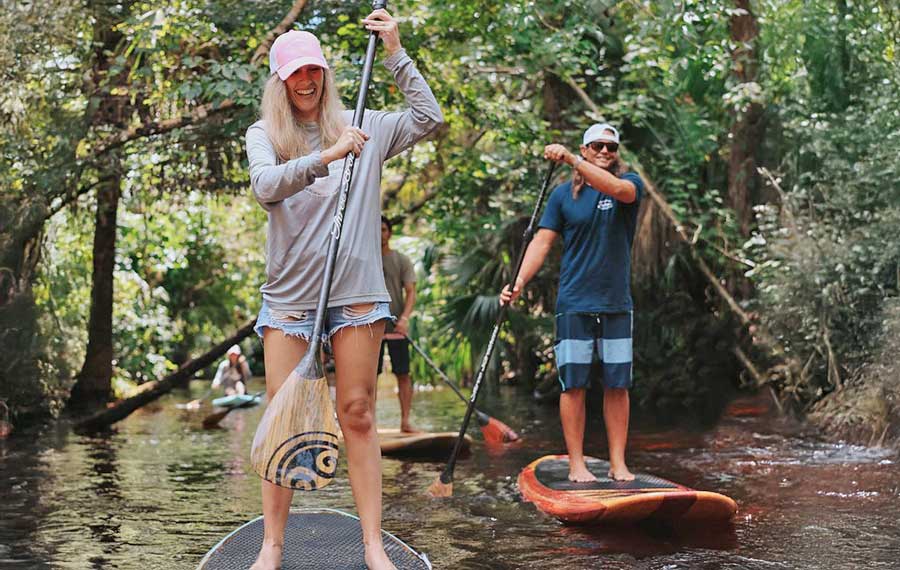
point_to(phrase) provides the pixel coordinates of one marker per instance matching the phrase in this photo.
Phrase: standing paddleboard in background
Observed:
(314, 539)
(545, 482)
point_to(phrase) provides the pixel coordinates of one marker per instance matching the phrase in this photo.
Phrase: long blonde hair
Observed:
(282, 125)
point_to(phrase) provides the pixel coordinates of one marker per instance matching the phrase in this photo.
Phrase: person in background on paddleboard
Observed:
(400, 279)
(596, 214)
(233, 373)
(296, 156)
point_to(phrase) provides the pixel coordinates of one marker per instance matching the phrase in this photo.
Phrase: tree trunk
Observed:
(746, 130)
(93, 384)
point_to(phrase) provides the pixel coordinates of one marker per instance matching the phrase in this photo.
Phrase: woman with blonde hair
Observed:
(295, 153)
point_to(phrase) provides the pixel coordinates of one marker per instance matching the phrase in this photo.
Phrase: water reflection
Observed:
(159, 490)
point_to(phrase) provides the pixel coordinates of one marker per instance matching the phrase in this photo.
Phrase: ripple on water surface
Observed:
(159, 491)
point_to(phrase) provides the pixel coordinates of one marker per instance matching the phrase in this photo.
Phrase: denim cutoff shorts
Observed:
(300, 323)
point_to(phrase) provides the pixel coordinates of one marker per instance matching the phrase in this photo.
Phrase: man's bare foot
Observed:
(620, 474)
(269, 557)
(407, 428)
(580, 473)
(377, 559)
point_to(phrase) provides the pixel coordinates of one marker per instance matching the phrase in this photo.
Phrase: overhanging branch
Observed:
(282, 27)
(203, 112)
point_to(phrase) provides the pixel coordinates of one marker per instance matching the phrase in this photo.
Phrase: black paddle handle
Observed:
(447, 474)
(310, 365)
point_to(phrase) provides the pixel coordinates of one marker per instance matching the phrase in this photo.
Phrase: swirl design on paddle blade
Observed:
(306, 461)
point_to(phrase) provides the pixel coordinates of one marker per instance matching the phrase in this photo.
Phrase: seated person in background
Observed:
(233, 373)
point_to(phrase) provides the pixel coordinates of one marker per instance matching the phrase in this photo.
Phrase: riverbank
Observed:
(866, 409)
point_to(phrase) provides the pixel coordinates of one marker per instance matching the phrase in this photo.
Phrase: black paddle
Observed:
(493, 429)
(443, 485)
(296, 443)
(194, 404)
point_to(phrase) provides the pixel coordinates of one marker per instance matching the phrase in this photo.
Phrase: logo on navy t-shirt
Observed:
(597, 232)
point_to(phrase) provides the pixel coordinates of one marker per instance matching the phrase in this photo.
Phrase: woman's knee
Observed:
(356, 414)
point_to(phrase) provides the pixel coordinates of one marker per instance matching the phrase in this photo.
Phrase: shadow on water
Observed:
(647, 539)
(158, 491)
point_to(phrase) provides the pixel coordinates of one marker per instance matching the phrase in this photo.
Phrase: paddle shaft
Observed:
(447, 474)
(203, 397)
(482, 417)
(311, 364)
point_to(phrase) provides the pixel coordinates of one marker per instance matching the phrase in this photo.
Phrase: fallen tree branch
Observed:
(153, 390)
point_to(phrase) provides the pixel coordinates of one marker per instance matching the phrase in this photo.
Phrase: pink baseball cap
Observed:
(292, 50)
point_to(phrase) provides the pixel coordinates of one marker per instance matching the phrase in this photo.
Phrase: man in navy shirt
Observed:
(596, 214)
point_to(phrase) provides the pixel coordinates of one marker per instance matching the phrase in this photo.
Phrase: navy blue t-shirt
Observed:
(597, 232)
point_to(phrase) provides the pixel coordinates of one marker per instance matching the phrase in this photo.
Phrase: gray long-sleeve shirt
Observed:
(300, 196)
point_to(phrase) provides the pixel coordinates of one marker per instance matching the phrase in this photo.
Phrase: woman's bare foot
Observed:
(377, 559)
(578, 472)
(620, 473)
(408, 428)
(269, 557)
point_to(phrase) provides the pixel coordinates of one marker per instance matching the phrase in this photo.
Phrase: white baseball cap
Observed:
(292, 50)
(235, 349)
(600, 132)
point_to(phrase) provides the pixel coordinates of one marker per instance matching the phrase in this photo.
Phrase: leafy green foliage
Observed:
(511, 77)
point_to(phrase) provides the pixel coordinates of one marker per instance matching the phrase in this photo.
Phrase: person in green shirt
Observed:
(400, 279)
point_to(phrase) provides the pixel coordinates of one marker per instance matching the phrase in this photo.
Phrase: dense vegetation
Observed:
(770, 129)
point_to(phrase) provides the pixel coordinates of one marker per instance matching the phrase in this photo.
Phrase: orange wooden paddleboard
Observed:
(545, 483)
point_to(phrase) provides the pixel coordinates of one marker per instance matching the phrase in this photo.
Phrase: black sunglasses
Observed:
(597, 146)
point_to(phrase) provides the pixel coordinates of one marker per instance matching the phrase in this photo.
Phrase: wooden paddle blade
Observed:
(296, 443)
(496, 431)
(440, 490)
(212, 420)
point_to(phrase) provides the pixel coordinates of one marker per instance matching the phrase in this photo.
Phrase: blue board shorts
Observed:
(300, 323)
(586, 342)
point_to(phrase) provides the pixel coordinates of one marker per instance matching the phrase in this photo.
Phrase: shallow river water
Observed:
(160, 491)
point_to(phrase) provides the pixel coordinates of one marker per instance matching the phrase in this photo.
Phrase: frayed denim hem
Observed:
(300, 325)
